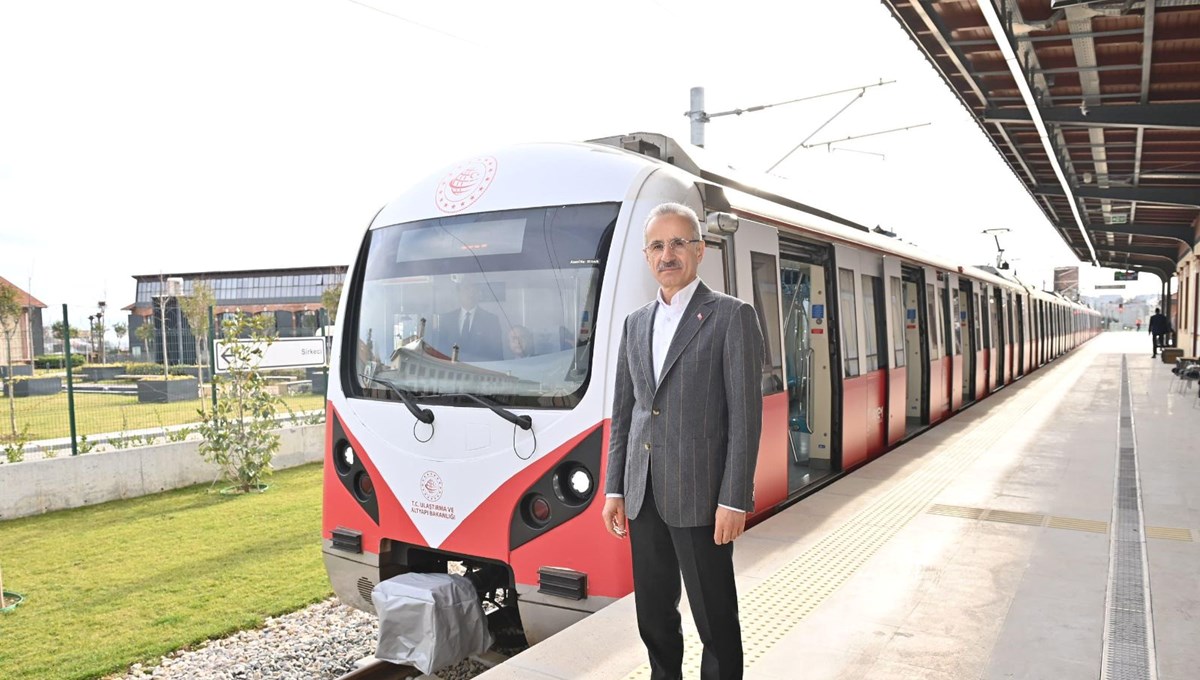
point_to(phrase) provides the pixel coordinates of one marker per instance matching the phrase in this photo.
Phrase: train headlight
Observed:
(535, 510)
(364, 488)
(580, 482)
(343, 457)
(573, 484)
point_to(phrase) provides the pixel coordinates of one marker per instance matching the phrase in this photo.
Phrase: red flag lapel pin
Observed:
(700, 316)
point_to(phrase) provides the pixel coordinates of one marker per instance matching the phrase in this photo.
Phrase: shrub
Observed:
(56, 361)
(152, 369)
(14, 447)
(238, 433)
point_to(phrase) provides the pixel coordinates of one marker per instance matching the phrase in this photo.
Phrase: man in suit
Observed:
(473, 329)
(1160, 326)
(687, 414)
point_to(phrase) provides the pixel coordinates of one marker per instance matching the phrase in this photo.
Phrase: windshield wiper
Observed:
(422, 414)
(523, 422)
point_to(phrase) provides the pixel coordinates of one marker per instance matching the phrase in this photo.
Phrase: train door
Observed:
(954, 340)
(987, 356)
(1021, 350)
(898, 383)
(949, 356)
(1010, 364)
(966, 323)
(756, 273)
(918, 350)
(806, 353)
(864, 378)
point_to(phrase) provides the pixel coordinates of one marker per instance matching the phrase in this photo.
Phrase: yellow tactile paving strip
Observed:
(772, 609)
(1034, 519)
(1169, 533)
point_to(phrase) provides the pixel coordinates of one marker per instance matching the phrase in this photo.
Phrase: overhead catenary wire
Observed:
(737, 112)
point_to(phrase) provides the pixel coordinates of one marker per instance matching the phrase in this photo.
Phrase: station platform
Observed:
(1050, 531)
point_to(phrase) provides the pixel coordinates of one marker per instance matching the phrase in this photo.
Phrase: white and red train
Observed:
(483, 442)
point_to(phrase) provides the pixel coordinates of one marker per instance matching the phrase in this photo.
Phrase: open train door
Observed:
(756, 277)
(896, 355)
(804, 274)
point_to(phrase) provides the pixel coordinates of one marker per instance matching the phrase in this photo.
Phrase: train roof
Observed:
(763, 195)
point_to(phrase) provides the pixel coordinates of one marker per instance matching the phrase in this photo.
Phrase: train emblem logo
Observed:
(431, 486)
(465, 184)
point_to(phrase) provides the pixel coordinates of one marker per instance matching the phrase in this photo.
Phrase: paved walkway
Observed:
(983, 549)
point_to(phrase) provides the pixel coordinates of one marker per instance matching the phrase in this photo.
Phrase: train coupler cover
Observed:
(429, 621)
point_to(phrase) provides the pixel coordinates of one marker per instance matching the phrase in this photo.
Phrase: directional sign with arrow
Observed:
(282, 353)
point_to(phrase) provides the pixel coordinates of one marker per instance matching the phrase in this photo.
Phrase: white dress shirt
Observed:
(666, 322)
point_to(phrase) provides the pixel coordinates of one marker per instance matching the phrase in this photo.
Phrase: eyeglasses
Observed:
(656, 247)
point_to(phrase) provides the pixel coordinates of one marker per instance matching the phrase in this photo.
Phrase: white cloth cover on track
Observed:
(429, 621)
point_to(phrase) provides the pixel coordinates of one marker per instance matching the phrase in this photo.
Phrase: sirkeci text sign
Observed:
(282, 353)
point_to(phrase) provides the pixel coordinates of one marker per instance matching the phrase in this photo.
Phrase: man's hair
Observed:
(1158, 310)
(678, 210)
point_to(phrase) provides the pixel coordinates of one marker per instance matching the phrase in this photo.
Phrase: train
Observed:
(472, 369)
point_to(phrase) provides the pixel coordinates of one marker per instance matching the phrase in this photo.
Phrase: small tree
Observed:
(330, 299)
(239, 433)
(120, 330)
(56, 329)
(145, 333)
(195, 309)
(10, 322)
(98, 334)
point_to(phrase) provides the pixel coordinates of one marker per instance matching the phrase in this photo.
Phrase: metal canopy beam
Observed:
(1168, 195)
(1162, 116)
(1135, 252)
(1178, 233)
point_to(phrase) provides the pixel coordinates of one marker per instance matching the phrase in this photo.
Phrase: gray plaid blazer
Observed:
(697, 430)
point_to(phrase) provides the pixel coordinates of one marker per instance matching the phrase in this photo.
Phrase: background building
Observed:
(28, 342)
(292, 297)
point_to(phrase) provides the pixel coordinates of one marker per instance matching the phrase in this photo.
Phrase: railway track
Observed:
(385, 670)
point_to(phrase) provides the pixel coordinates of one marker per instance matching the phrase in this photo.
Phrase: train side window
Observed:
(849, 325)
(931, 316)
(712, 268)
(766, 303)
(874, 328)
(981, 335)
(897, 321)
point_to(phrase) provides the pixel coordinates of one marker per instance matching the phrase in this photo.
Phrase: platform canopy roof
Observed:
(1094, 105)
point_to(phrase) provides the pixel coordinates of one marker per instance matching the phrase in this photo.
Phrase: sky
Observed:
(162, 136)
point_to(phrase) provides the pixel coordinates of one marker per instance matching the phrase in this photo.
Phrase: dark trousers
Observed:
(1160, 340)
(660, 554)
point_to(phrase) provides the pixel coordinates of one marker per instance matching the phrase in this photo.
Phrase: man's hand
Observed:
(614, 516)
(730, 525)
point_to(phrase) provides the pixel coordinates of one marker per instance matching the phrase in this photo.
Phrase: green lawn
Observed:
(128, 581)
(48, 418)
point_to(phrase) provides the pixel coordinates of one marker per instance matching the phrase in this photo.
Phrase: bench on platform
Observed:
(1187, 369)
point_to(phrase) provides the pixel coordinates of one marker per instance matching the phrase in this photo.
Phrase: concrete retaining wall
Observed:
(39, 486)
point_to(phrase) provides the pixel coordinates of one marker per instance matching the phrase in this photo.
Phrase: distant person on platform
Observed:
(473, 329)
(1159, 327)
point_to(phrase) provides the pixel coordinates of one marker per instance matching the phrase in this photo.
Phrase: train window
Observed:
(897, 321)
(507, 315)
(953, 328)
(766, 302)
(849, 325)
(873, 326)
(935, 328)
(980, 310)
(712, 268)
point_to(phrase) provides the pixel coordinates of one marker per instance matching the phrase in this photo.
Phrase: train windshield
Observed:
(498, 305)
